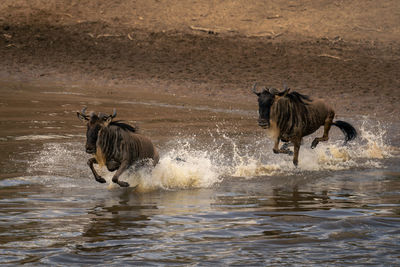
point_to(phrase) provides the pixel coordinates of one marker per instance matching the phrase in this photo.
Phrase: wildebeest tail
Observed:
(348, 130)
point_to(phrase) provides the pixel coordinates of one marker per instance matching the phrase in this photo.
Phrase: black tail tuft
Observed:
(348, 130)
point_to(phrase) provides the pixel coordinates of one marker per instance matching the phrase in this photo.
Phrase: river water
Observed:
(228, 200)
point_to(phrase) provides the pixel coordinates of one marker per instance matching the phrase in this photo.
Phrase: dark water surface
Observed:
(231, 201)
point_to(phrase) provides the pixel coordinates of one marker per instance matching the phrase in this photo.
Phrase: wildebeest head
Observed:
(94, 124)
(266, 99)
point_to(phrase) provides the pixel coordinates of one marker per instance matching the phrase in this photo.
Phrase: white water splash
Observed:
(60, 159)
(365, 151)
(180, 168)
(190, 163)
(374, 141)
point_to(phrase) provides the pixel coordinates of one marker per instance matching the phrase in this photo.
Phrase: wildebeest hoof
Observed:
(295, 162)
(123, 184)
(101, 180)
(314, 143)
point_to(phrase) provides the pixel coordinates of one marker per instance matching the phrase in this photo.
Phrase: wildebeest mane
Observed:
(116, 142)
(124, 126)
(290, 113)
(299, 98)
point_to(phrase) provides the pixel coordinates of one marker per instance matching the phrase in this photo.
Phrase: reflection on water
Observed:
(199, 211)
(221, 197)
(65, 220)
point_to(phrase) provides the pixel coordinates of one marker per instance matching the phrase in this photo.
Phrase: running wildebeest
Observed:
(289, 116)
(115, 144)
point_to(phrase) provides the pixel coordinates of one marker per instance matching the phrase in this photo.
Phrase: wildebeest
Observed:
(115, 144)
(290, 116)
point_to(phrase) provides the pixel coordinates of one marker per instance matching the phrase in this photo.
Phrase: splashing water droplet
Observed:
(189, 163)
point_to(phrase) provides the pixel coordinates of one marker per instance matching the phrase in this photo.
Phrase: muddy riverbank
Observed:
(357, 67)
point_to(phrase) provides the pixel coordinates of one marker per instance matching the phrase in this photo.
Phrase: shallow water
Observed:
(228, 200)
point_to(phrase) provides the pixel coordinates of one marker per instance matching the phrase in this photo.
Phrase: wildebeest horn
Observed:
(273, 91)
(285, 87)
(254, 89)
(82, 114)
(114, 113)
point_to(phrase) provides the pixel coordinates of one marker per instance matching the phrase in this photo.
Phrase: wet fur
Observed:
(119, 146)
(293, 116)
(119, 141)
(289, 113)
(116, 145)
(296, 114)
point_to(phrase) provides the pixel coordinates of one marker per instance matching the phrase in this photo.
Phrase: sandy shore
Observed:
(346, 52)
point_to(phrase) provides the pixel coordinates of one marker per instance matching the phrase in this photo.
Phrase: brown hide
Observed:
(296, 119)
(118, 144)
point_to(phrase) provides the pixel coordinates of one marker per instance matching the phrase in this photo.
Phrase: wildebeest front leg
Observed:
(283, 150)
(296, 152)
(276, 146)
(96, 175)
(325, 136)
(124, 165)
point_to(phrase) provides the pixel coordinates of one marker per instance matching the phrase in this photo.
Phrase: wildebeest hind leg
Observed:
(325, 136)
(96, 175)
(122, 168)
